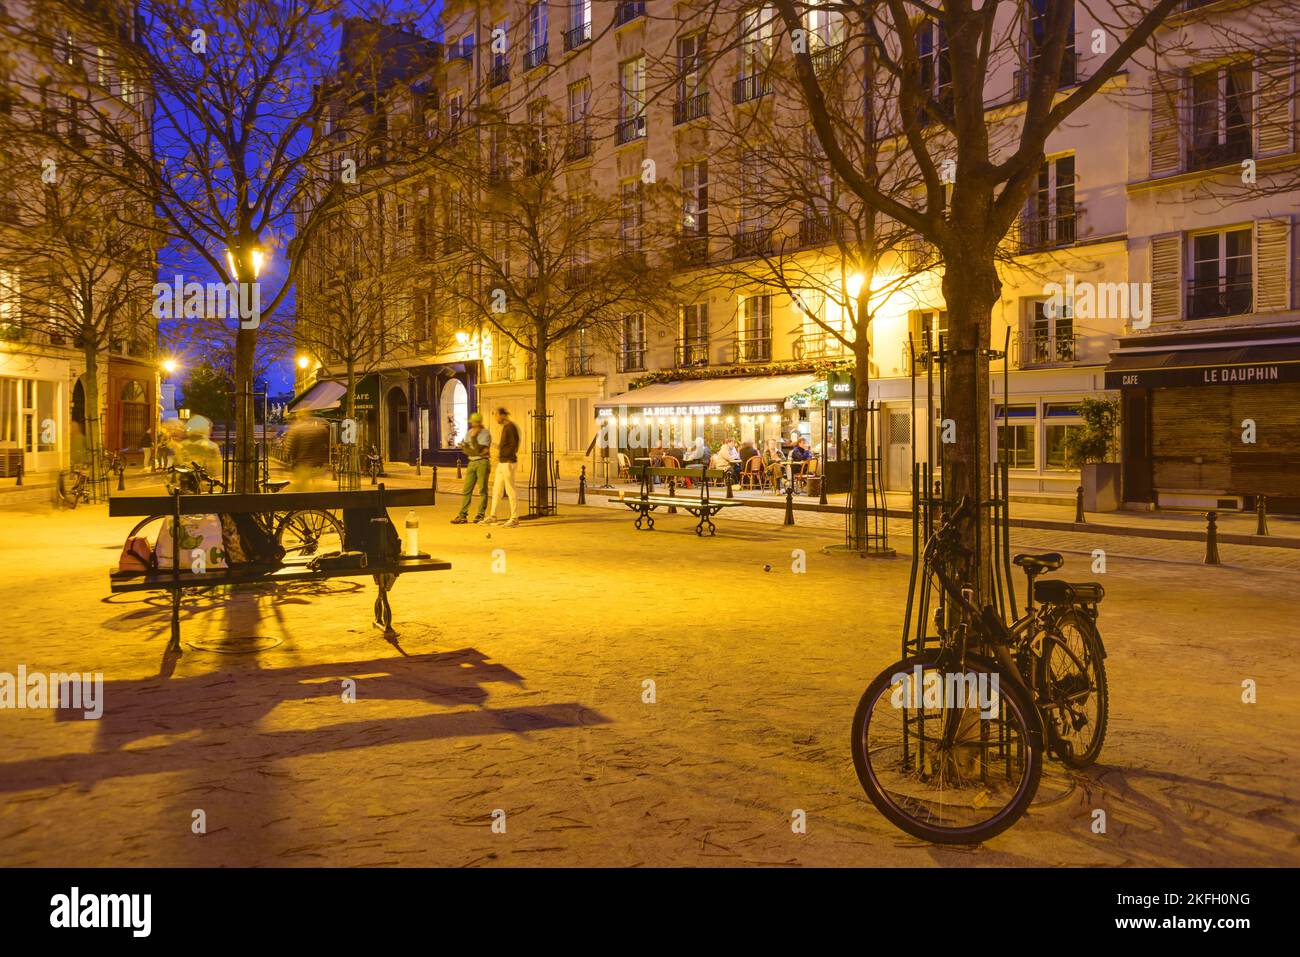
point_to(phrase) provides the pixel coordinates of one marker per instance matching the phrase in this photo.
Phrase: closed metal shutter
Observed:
(1191, 438)
(1271, 465)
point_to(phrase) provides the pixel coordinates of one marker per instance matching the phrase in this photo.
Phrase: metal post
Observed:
(433, 481)
(1212, 538)
(121, 478)
(730, 493)
(789, 503)
(1078, 505)
(672, 493)
(821, 499)
(1261, 516)
(582, 486)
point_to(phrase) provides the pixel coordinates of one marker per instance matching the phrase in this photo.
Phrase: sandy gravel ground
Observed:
(522, 691)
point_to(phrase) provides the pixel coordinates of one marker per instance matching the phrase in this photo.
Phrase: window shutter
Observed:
(1166, 145)
(1166, 278)
(1272, 265)
(1276, 125)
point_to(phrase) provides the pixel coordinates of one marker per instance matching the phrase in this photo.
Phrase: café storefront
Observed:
(1210, 425)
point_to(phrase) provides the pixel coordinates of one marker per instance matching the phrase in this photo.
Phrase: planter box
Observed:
(1100, 482)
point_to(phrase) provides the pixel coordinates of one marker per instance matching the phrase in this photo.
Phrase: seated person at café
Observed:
(801, 452)
(698, 453)
(747, 452)
(773, 459)
(730, 456)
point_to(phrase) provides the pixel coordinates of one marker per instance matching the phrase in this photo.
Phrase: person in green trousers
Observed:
(476, 444)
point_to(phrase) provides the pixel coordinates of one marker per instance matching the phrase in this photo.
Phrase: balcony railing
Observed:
(819, 230)
(536, 56)
(1069, 75)
(626, 12)
(578, 364)
(578, 145)
(690, 108)
(817, 345)
(500, 73)
(752, 241)
(1219, 296)
(629, 130)
(1209, 155)
(825, 60)
(691, 251)
(691, 352)
(1038, 233)
(577, 37)
(1041, 348)
(751, 87)
(755, 347)
(632, 360)
(460, 52)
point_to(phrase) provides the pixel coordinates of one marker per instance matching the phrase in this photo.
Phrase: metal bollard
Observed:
(121, 480)
(821, 485)
(730, 493)
(582, 486)
(1078, 506)
(672, 493)
(433, 480)
(789, 503)
(458, 475)
(1261, 516)
(1212, 538)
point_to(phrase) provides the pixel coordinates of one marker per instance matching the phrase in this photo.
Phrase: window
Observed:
(1221, 116)
(755, 334)
(1050, 337)
(498, 158)
(500, 54)
(752, 233)
(630, 216)
(631, 100)
(1058, 421)
(1016, 438)
(936, 67)
(693, 349)
(1050, 220)
(695, 198)
(577, 353)
(579, 31)
(627, 11)
(537, 44)
(455, 108)
(537, 136)
(580, 424)
(579, 105)
(1222, 274)
(1036, 40)
(927, 327)
(756, 27)
(692, 96)
(632, 357)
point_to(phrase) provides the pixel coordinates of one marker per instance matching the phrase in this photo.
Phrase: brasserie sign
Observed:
(1259, 373)
(841, 390)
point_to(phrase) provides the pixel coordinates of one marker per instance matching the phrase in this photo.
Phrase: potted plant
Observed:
(1091, 449)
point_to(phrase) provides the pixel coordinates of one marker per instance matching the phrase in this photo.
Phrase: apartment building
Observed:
(1118, 202)
(43, 368)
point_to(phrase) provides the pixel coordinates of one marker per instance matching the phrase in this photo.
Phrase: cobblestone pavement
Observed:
(521, 690)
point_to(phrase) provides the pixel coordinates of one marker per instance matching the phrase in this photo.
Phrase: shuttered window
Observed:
(1166, 278)
(1166, 146)
(1273, 272)
(1275, 130)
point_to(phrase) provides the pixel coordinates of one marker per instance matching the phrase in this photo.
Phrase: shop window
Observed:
(1059, 420)
(1016, 436)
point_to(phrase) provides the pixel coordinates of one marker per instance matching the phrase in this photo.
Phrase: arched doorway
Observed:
(453, 407)
(77, 415)
(399, 425)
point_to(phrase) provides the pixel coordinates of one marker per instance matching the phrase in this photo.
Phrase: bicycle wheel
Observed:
(70, 485)
(310, 531)
(1072, 689)
(142, 528)
(956, 775)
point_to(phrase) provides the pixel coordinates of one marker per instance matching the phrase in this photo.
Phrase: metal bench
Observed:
(703, 508)
(364, 511)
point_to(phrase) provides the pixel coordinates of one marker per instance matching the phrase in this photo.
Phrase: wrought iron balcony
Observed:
(690, 108)
(626, 11)
(1209, 155)
(629, 130)
(1042, 348)
(691, 352)
(1069, 75)
(825, 60)
(818, 230)
(577, 37)
(578, 145)
(752, 241)
(499, 74)
(578, 364)
(1038, 233)
(631, 359)
(1219, 296)
(536, 56)
(751, 87)
(755, 347)
(817, 345)
(691, 251)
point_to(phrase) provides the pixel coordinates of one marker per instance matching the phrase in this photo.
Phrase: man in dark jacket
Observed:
(507, 464)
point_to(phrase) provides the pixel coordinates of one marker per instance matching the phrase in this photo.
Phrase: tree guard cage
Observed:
(866, 523)
(231, 463)
(545, 476)
(931, 504)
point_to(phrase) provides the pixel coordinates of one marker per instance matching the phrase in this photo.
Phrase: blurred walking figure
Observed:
(307, 448)
(507, 464)
(475, 445)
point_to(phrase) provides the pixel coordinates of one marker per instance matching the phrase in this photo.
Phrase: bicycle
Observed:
(953, 770)
(298, 532)
(74, 486)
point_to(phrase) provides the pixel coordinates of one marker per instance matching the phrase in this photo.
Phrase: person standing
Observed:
(476, 445)
(507, 465)
(307, 448)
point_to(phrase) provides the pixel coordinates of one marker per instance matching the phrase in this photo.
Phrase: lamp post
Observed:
(245, 259)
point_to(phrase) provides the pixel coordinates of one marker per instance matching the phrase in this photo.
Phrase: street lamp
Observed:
(258, 257)
(303, 362)
(853, 285)
(169, 366)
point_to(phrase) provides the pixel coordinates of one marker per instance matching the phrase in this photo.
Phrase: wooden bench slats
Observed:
(139, 506)
(296, 571)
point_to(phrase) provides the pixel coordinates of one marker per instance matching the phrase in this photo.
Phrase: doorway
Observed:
(898, 450)
(399, 426)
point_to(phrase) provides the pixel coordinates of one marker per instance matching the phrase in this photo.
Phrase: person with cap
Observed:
(507, 465)
(475, 446)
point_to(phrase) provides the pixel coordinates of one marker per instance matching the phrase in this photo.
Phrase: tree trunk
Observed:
(861, 482)
(541, 477)
(94, 437)
(971, 288)
(245, 465)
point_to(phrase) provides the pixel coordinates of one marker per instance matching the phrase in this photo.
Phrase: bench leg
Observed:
(384, 611)
(174, 645)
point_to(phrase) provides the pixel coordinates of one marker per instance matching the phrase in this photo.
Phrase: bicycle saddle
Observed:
(276, 485)
(1041, 562)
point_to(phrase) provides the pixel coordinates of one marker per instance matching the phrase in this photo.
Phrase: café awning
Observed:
(1225, 365)
(683, 398)
(319, 397)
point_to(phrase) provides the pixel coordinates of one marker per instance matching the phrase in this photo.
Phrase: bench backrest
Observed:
(138, 506)
(686, 473)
